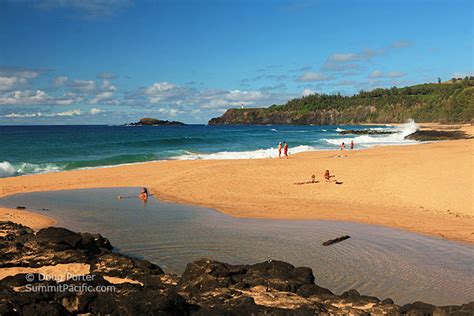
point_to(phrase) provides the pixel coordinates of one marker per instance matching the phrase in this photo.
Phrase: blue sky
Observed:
(114, 61)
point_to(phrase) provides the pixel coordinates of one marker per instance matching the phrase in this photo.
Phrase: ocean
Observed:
(42, 149)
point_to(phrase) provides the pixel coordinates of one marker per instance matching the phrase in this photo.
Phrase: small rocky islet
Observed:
(206, 287)
(147, 121)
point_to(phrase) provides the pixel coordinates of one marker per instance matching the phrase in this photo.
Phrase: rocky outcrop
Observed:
(138, 287)
(365, 132)
(435, 135)
(154, 122)
(274, 117)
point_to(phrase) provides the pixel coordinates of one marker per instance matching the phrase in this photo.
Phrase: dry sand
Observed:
(426, 188)
(58, 272)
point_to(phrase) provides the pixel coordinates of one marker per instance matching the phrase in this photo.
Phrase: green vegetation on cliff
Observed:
(451, 102)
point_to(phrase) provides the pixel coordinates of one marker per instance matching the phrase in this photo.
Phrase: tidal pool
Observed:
(376, 260)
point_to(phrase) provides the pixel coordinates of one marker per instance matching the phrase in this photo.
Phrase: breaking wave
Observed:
(398, 137)
(254, 154)
(8, 170)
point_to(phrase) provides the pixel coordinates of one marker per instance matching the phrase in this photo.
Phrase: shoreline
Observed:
(263, 188)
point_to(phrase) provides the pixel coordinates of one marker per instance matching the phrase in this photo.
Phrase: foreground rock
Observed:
(103, 282)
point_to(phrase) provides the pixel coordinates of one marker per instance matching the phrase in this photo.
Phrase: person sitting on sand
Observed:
(313, 180)
(279, 150)
(328, 176)
(285, 149)
(143, 194)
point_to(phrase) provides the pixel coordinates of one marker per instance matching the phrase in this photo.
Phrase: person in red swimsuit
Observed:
(285, 150)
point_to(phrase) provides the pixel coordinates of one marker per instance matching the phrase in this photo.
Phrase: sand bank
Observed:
(426, 188)
(33, 220)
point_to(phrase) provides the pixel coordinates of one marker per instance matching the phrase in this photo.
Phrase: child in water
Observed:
(143, 194)
(279, 150)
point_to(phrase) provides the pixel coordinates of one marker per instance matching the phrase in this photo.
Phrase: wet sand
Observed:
(425, 188)
(30, 219)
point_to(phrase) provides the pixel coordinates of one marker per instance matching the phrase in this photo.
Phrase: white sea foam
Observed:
(396, 138)
(339, 129)
(6, 169)
(254, 154)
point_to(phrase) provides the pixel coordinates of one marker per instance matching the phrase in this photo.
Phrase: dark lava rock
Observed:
(308, 290)
(206, 287)
(418, 308)
(433, 135)
(206, 275)
(366, 132)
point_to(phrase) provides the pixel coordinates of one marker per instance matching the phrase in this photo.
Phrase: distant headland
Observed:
(146, 121)
(447, 102)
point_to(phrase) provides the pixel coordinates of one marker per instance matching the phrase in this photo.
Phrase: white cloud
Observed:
(60, 81)
(161, 91)
(107, 75)
(352, 60)
(390, 74)
(83, 85)
(307, 92)
(313, 76)
(165, 93)
(89, 9)
(13, 77)
(401, 44)
(68, 113)
(29, 97)
(95, 111)
(103, 96)
(74, 112)
(106, 85)
(19, 72)
(8, 83)
(343, 57)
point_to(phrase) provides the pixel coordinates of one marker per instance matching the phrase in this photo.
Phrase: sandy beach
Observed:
(30, 219)
(425, 188)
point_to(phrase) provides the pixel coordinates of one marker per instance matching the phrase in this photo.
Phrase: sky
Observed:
(114, 61)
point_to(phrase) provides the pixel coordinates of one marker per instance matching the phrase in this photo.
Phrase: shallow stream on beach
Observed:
(376, 260)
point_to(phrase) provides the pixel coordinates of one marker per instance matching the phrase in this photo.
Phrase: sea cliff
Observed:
(444, 103)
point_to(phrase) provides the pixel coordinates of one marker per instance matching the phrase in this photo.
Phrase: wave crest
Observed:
(371, 140)
(254, 154)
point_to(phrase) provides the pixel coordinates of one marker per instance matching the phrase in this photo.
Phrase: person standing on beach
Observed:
(352, 144)
(343, 146)
(279, 150)
(285, 149)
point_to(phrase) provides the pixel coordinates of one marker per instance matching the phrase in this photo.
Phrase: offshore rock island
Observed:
(146, 121)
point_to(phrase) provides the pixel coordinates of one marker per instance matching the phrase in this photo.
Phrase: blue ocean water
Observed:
(40, 149)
